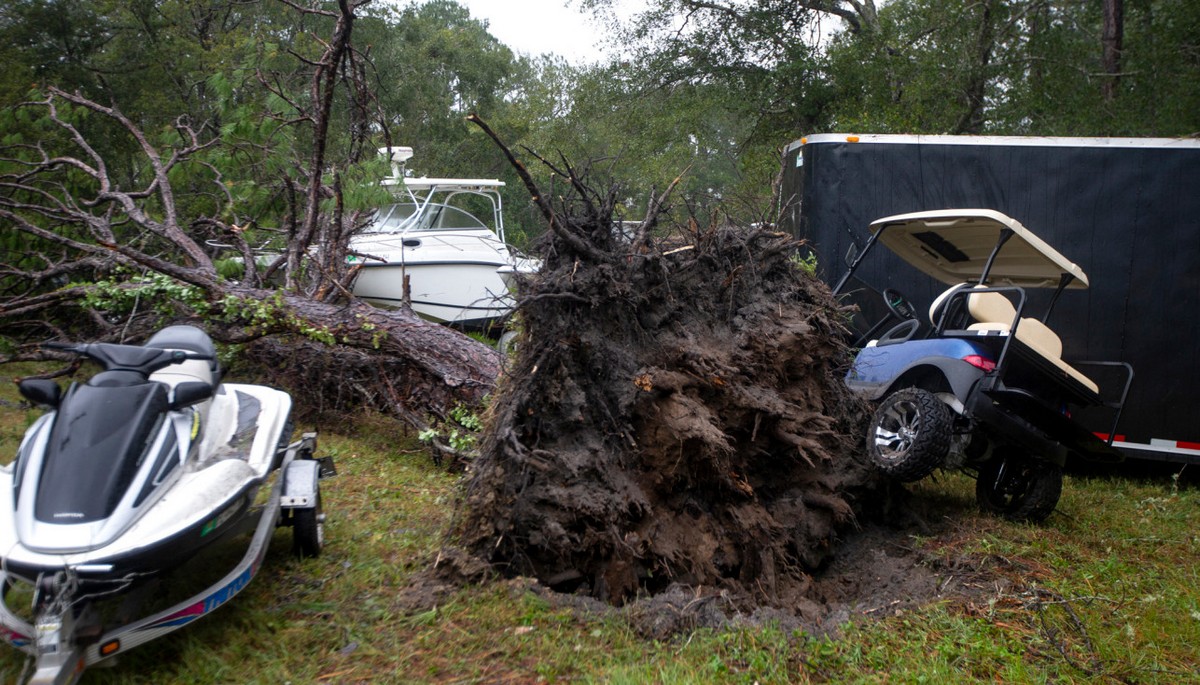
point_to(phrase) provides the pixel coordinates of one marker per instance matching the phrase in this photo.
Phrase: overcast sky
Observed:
(534, 27)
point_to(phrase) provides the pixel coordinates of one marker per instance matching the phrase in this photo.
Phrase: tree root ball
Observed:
(675, 415)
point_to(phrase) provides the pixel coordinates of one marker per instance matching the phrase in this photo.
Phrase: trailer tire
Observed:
(1018, 487)
(308, 530)
(909, 435)
(507, 343)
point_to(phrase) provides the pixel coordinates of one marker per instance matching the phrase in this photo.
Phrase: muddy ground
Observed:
(876, 571)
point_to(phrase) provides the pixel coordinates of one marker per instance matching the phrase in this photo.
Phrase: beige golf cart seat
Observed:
(995, 312)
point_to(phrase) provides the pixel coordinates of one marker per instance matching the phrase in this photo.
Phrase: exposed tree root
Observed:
(676, 414)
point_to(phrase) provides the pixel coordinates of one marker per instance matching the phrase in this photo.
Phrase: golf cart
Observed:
(984, 389)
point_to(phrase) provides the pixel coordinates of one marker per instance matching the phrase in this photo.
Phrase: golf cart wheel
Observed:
(308, 530)
(1019, 488)
(909, 435)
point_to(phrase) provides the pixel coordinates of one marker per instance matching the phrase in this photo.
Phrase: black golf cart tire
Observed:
(928, 447)
(1041, 489)
(308, 533)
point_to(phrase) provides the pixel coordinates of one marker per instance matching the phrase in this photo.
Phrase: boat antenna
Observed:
(398, 156)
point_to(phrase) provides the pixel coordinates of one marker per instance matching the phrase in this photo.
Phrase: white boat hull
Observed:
(453, 278)
(468, 295)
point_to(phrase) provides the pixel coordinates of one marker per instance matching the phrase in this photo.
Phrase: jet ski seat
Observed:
(188, 339)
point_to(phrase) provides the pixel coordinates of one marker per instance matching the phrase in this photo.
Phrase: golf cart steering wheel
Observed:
(898, 304)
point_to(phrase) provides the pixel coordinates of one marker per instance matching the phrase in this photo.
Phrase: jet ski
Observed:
(128, 476)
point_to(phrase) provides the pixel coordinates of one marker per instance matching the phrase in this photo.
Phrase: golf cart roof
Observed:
(953, 245)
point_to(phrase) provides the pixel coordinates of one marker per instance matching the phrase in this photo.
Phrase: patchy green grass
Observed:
(1106, 590)
(15, 415)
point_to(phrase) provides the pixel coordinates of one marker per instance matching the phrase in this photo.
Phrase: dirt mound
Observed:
(676, 416)
(875, 571)
(869, 574)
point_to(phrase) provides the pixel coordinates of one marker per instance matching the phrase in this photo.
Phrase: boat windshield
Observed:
(408, 216)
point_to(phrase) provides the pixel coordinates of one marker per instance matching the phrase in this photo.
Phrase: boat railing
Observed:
(442, 238)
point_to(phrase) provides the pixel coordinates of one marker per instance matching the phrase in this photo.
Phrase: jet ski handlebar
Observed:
(114, 357)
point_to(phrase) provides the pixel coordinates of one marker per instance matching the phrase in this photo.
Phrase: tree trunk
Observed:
(1111, 44)
(975, 88)
(353, 354)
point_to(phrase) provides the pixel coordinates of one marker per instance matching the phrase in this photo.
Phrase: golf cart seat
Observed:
(936, 310)
(994, 312)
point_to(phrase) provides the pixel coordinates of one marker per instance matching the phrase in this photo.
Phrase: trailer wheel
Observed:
(308, 530)
(1018, 487)
(507, 342)
(909, 435)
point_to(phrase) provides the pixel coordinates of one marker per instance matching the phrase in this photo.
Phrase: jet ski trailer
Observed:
(141, 468)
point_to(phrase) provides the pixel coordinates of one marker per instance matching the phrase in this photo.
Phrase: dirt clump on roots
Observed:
(675, 416)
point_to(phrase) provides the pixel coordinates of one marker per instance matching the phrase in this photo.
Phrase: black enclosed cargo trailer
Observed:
(1127, 210)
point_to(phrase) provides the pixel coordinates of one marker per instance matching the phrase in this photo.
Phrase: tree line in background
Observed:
(278, 146)
(714, 85)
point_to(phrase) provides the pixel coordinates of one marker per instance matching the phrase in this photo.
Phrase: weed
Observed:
(806, 264)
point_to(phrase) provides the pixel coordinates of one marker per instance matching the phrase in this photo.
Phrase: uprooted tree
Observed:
(675, 413)
(116, 238)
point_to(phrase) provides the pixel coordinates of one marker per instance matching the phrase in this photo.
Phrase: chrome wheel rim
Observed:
(897, 429)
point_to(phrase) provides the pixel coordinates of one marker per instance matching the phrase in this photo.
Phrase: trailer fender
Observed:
(300, 479)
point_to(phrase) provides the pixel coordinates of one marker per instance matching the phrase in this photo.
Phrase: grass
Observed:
(1106, 590)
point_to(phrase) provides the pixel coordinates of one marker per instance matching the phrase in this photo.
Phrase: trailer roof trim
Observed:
(1034, 141)
(953, 245)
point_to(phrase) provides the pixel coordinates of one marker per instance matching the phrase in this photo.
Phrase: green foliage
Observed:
(1028, 67)
(271, 315)
(438, 64)
(711, 98)
(123, 294)
(806, 263)
(230, 269)
(460, 432)
(925, 66)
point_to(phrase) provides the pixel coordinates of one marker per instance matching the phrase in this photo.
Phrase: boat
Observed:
(431, 251)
